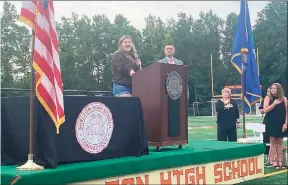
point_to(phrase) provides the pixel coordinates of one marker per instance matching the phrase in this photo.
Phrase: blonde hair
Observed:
(280, 92)
(133, 51)
(226, 90)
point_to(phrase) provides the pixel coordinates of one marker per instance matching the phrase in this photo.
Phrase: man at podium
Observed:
(169, 51)
(162, 91)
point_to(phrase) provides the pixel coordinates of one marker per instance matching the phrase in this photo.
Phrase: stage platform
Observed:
(199, 162)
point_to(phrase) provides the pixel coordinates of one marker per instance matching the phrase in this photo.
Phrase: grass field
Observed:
(202, 128)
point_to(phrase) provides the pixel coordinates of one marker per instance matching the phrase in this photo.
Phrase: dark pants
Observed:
(266, 140)
(223, 133)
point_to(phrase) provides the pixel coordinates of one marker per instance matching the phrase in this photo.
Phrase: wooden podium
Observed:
(166, 119)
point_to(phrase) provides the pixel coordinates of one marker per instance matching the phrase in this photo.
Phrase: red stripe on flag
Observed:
(44, 38)
(54, 39)
(47, 65)
(44, 66)
(49, 102)
(50, 3)
(57, 77)
(28, 15)
(59, 109)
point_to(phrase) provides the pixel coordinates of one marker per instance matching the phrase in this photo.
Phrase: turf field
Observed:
(204, 127)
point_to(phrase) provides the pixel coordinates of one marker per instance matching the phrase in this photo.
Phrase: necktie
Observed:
(171, 61)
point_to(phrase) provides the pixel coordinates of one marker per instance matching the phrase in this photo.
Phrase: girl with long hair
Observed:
(125, 63)
(276, 122)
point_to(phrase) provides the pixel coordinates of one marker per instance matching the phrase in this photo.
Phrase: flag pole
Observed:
(30, 164)
(257, 58)
(244, 59)
(212, 79)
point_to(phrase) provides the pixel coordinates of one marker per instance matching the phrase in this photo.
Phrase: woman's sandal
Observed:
(280, 167)
(275, 165)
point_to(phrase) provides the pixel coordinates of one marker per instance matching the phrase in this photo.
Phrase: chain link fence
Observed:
(10, 92)
(208, 108)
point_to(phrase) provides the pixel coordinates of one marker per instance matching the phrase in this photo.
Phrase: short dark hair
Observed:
(168, 44)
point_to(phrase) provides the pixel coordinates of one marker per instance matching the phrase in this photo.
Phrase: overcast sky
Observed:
(136, 11)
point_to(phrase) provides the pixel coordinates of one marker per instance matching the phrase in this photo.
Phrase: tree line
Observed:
(87, 44)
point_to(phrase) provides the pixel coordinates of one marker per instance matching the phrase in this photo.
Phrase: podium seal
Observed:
(174, 85)
(94, 127)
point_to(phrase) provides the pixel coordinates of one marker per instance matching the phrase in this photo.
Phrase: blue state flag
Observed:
(243, 43)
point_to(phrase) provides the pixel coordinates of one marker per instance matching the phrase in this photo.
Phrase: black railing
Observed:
(8, 92)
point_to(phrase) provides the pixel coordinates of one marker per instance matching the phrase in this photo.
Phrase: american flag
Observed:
(39, 15)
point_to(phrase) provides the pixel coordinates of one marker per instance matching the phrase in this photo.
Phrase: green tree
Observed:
(153, 40)
(15, 49)
(270, 35)
(104, 45)
(87, 46)
(195, 40)
(230, 75)
(72, 44)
